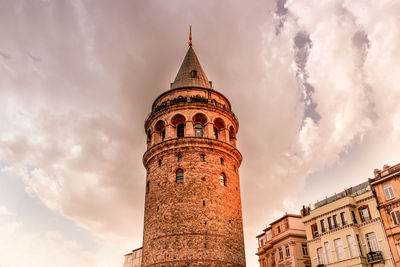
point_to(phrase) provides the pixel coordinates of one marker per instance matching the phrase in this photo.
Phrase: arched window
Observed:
(179, 176)
(148, 136)
(198, 129)
(232, 134)
(179, 157)
(372, 242)
(160, 129)
(219, 126)
(178, 121)
(216, 133)
(222, 161)
(163, 134)
(180, 131)
(223, 179)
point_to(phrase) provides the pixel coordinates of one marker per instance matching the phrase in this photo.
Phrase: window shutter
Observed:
(389, 194)
(395, 217)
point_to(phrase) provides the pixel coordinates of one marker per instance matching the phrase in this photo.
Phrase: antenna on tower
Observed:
(190, 36)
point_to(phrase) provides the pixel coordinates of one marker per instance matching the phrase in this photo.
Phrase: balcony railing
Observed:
(374, 256)
(190, 100)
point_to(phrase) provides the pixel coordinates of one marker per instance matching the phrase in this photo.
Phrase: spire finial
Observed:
(190, 36)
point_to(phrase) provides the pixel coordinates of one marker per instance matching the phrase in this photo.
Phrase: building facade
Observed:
(284, 243)
(193, 212)
(133, 259)
(386, 186)
(346, 230)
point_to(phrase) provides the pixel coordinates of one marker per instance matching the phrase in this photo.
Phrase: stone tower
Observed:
(193, 213)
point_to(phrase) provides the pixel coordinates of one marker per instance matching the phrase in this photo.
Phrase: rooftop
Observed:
(385, 173)
(352, 191)
(278, 220)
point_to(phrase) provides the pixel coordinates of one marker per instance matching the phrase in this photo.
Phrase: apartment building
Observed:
(133, 259)
(346, 230)
(283, 243)
(386, 186)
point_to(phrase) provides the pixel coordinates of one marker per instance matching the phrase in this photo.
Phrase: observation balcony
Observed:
(188, 101)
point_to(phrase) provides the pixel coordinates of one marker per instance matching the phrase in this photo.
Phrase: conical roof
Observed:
(191, 73)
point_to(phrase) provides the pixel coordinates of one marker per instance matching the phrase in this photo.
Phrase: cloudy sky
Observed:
(315, 85)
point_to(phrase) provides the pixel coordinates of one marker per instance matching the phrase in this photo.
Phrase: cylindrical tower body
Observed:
(193, 214)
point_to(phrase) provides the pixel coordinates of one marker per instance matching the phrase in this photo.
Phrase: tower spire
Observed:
(190, 37)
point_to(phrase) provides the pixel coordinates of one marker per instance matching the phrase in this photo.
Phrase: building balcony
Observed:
(374, 256)
(190, 101)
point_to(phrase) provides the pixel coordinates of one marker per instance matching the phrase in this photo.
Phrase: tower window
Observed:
(179, 157)
(158, 208)
(179, 176)
(222, 161)
(202, 157)
(231, 134)
(148, 187)
(160, 129)
(180, 132)
(234, 168)
(149, 136)
(204, 203)
(198, 129)
(193, 73)
(159, 162)
(223, 179)
(216, 133)
(163, 134)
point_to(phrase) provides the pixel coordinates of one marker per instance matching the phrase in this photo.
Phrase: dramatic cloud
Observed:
(309, 80)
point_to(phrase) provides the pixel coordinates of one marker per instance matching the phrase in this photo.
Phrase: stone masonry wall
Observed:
(197, 222)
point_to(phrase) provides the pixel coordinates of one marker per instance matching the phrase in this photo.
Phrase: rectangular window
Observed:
(351, 246)
(305, 249)
(389, 194)
(287, 225)
(364, 213)
(359, 244)
(343, 218)
(280, 254)
(320, 255)
(330, 223)
(328, 252)
(354, 217)
(339, 249)
(268, 235)
(323, 230)
(287, 251)
(314, 230)
(335, 221)
(279, 229)
(395, 217)
(202, 157)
